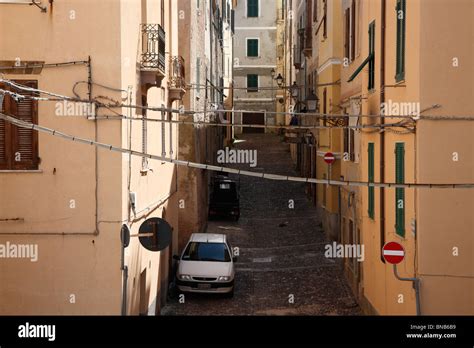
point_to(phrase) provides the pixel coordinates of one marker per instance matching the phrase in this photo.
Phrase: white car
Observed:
(206, 265)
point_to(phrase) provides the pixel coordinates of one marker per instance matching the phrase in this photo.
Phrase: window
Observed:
(252, 47)
(252, 83)
(371, 179)
(163, 13)
(400, 192)
(325, 27)
(19, 146)
(252, 8)
(372, 55)
(401, 20)
(349, 143)
(353, 30)
(347, 34)
(315, 10)
(232, 21)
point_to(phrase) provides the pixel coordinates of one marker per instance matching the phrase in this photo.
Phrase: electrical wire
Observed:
(183, 111)
(28, 125)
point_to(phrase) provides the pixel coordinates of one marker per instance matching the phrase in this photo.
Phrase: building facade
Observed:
(71, 200)
(206, 44)
(379, 64)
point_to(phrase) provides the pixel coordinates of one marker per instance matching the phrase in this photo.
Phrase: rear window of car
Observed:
(199, 251)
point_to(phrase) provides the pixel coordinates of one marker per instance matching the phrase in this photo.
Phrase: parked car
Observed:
(206, 265)
(224, 200)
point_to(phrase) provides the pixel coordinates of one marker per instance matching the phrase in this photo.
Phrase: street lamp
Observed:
(272, 72)
(279, 80)
(312, 102)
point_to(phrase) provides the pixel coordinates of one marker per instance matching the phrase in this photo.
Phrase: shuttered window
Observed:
(371, 55)
(252, 47)
(353, 30)
(19, 146)
(371, 170)
(401, 20)
(347, 34)
(400, 192)
(252, 8)
(252, 83)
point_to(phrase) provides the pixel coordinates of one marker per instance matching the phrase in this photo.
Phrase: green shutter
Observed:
(252, 8)
(371, 179)
(400, 63)
(400, 192)
(252, 83)
(371, 55)
(252, 47)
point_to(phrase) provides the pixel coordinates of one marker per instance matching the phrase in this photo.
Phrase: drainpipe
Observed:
(382, 133)
(416, 286)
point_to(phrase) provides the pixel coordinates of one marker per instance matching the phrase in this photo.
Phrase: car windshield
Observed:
(198, 251)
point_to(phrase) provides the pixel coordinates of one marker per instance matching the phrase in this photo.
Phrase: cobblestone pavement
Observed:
(281, 249)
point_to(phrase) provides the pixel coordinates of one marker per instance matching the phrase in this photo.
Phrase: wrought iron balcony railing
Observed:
(177, 77)
(153, 47)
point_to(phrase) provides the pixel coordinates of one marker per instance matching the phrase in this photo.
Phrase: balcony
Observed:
(177, 78)
(152, 64)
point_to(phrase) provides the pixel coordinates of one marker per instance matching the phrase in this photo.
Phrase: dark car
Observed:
(224, 200)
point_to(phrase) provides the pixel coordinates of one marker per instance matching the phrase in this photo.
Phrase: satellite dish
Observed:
(155, 234)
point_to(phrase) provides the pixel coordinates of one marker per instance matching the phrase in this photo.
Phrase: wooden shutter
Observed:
(400, 192)
(353, 30)
(346, 34)
(315, 10)
(252, 8)
(252, 83)
(400, 58)
(252, 48)
(371, 209)
(371, 55)
(24, 140)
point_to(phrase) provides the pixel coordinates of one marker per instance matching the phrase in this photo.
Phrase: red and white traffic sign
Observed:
(393, 253)
(329, 158)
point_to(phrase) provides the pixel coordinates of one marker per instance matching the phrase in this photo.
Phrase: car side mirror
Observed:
(176, 257)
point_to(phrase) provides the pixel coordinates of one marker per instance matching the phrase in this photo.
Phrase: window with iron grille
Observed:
(19, 146)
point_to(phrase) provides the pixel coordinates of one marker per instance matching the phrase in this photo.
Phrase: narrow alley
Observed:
(281, 249)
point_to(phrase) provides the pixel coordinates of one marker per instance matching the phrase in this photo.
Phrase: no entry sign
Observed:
(393, 253)
(329, 158)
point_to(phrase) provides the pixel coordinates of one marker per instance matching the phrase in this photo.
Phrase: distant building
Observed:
(254, 59)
